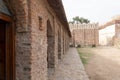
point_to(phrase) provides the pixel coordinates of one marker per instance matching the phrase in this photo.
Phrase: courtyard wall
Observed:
(85, 34)
(41, 37)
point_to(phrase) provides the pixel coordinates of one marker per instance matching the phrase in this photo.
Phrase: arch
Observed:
(59, 44)
(51, 46)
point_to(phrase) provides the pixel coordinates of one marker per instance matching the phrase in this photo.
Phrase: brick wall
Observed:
(36, 43)
(22, 39)
(85, 34)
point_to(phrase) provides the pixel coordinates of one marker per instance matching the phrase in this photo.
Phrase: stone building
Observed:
(106, 35)
(84, 34)
(110, 33)
(117, 34)
(34, 35)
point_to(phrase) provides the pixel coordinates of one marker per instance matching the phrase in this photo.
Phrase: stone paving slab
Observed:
(71, 67)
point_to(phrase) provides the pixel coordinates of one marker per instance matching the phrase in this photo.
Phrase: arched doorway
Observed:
(50, 50)
(7, 56)
(59, 45)
(51, 46)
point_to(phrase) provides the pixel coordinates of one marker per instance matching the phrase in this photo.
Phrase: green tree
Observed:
(78, 19)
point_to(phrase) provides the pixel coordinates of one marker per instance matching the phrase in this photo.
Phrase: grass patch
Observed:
(85, 54)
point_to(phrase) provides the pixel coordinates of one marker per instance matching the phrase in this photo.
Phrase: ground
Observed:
(71, 67)
(104, 63)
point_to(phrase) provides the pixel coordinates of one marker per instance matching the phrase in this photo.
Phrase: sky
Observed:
(95, 10)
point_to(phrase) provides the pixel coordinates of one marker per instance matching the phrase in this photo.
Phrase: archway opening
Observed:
(50, 47)
(59, 45)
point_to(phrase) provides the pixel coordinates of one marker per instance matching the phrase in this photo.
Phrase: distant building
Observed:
(109, 33)
(84, 34)
(106, 35)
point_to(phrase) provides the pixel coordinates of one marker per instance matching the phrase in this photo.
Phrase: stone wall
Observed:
(84, 34)
(40, 40)
(111, 31)
(20, 15)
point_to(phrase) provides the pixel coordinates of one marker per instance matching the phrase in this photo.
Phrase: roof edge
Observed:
(58, 8)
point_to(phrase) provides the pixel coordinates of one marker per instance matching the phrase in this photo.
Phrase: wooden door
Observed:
(7, 56)
(2, 50)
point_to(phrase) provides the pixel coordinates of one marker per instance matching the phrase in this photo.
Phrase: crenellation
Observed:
(84, 34)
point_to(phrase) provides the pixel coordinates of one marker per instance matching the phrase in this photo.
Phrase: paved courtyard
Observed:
(71, 67)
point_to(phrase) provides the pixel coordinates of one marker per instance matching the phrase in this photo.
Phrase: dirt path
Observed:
(105, 64)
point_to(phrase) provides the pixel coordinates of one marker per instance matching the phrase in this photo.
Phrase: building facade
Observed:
(110, 33)
(84, 34)
(33, 37)
(106, 35)
(117, 34)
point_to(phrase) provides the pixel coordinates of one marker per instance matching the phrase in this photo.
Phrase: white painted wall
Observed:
(106, 33)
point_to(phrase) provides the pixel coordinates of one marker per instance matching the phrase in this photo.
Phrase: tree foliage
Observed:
(77, 20)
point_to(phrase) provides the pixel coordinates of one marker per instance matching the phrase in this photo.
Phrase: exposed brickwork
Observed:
(22, 39)
(85, 34)
(35, 43)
